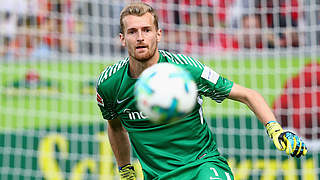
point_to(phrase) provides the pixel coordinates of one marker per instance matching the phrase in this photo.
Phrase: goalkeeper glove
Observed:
(286, 140)
(127, 172)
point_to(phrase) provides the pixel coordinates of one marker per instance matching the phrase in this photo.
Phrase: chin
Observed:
(144, 57)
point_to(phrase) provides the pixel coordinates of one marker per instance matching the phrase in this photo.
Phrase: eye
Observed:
(147, 30)
(131, 31)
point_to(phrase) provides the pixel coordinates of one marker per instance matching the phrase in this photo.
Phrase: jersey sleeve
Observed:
(106, 106)
(211, 84)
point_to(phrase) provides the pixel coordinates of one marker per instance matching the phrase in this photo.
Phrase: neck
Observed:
(137, 67)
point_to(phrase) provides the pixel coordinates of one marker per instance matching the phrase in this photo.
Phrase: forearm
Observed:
(261, 109)
(254, 101)
(120, 145)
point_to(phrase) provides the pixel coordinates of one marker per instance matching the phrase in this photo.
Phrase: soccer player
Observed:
(184, 149)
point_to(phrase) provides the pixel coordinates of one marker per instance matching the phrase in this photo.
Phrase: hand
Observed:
(127, 172)
(286, 140)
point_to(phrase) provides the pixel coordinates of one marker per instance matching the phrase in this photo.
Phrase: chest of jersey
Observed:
(126, 104)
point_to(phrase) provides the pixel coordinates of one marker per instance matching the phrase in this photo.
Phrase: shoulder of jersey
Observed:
(181, 59)
(111, 70)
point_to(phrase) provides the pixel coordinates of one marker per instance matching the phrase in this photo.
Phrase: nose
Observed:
(140, 36)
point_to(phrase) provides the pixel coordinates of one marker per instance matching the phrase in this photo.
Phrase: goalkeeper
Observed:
(184, 149)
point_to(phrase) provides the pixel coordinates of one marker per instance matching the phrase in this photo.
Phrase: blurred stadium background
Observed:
(51, 52)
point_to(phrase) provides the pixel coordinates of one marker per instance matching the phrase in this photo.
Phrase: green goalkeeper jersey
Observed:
(162, 148)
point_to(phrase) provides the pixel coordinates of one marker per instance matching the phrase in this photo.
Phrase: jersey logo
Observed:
(100, 100)
(210, 75)
(121, 101)
(133, 115)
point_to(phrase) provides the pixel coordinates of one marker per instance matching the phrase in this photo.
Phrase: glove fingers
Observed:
(279, 144)
(300, 153)
(305, 150)
(297, 146)
(289, 145)
(294, 145)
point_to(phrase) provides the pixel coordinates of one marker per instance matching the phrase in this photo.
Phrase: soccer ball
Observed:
(165, 92)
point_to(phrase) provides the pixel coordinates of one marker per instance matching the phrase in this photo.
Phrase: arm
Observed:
(119, 142)
(283, 140)
(254, 101)
(120, 145)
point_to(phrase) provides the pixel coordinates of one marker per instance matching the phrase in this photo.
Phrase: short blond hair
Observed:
(138, 9)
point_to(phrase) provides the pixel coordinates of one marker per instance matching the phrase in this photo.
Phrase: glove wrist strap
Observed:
(129, 166)
(271, 122)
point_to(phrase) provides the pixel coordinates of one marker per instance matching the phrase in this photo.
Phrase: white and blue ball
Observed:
(165, 92)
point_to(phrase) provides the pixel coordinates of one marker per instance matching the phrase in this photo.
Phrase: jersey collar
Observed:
(161, 60)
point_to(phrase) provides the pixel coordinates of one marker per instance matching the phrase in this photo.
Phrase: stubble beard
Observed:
(145, 57)
(142, 62)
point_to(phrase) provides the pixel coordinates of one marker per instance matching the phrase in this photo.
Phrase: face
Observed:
(251, 23)
(140, 36)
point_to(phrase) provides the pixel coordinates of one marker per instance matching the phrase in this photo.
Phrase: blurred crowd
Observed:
(36, 28)
(203, 26)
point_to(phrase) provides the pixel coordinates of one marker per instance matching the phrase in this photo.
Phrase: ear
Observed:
(122, 40)
(159, 32)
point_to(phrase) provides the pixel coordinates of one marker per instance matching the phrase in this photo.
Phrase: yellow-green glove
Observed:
(286, 140)
(127, 172)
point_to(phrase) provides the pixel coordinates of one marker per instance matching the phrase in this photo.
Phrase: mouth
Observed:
(141, 47)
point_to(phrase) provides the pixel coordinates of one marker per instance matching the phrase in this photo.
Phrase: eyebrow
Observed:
(144, 27)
